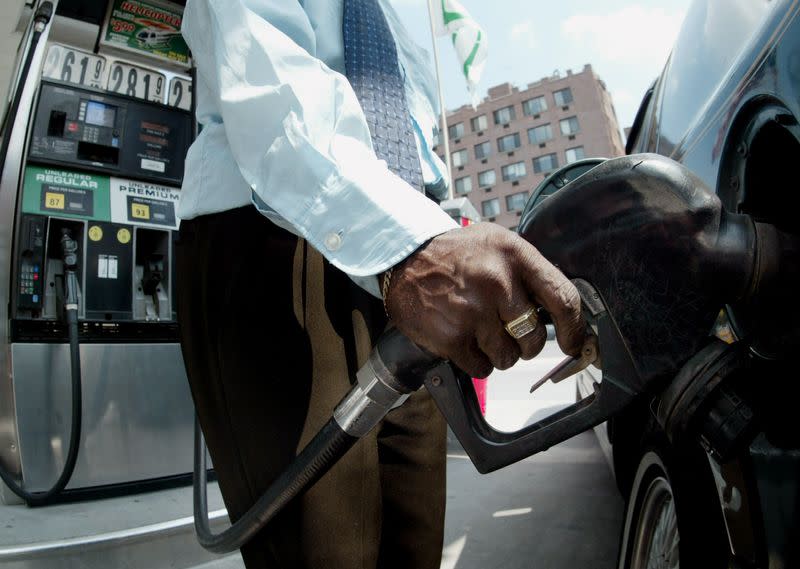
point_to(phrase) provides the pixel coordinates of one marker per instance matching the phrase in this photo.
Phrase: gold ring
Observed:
(522, 325)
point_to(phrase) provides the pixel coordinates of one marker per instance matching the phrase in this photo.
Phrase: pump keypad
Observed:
(91, 134)
(30, 267)
(29, 279)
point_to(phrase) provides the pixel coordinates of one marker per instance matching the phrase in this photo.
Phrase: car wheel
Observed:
(672, 518)
(654, 525)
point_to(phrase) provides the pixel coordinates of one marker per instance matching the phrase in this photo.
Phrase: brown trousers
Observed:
(272, 336)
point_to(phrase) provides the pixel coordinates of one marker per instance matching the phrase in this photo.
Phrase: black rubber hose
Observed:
(41, 19)
(324, 450)
(47, 497)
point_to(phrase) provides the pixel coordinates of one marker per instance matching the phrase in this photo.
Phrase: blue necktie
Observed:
(372, 68)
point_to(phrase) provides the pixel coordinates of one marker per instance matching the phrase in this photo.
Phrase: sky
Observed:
(626, 41)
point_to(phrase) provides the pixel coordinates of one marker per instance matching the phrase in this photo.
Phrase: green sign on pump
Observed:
(63, 193)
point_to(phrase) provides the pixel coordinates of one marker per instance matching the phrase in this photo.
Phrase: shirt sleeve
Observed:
(299, 137)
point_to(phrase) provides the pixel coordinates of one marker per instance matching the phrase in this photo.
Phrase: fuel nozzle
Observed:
(69, 255)
(156, 303)
(395, 369)
(69, 250)
(661, 251)
(153, 274)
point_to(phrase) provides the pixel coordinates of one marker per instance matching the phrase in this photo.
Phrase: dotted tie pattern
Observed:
(372, 68)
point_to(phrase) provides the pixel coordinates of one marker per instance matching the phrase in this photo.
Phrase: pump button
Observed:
(333, 241)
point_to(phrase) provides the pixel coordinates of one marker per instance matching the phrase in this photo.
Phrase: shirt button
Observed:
(333, 241)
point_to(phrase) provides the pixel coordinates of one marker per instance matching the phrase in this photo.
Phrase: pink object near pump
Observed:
(480, 391)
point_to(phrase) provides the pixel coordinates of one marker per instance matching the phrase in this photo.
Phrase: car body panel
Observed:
(697, 105)
(731, 59)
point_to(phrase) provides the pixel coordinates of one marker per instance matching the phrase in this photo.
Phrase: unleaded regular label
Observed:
(53, 191)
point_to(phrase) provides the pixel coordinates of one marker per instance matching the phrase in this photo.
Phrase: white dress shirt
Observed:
(283, 129)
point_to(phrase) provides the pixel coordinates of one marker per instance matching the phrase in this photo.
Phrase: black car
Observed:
(727, 106)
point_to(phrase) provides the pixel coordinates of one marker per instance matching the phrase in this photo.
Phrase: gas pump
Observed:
(96, 148)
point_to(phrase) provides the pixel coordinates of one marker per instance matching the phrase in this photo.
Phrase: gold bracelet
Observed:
(387, 280)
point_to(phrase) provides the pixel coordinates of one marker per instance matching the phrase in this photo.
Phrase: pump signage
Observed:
(152, 28)
(50, 191)
(143, 203)
(66, 193)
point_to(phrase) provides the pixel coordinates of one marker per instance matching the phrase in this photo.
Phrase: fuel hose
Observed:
(324, 450)
(395, 369)
(69, 249)
(40, 20)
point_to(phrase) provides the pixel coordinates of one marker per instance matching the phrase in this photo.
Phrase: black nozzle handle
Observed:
(43, 13)
(69, 250)
(69, 254)
(400, 362)
(490, 449)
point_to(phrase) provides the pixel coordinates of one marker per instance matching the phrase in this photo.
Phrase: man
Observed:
(320, 113)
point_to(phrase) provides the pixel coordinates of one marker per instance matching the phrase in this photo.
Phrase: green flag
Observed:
(469, 40)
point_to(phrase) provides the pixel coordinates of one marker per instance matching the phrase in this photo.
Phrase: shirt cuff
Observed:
(384, 221)
(347, 204)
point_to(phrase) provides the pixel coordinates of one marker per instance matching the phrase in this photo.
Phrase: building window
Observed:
(540, 134)
(487, 178)
(479, 123)
(574, 154)
(464, 185)
(508, 143)
(545, 163)
(483, 150)
(513, 171)
(534, 106)
(490, 208)
(563, 97)
(459, 157)
(569, 125)
(504, 115)
(456, 130)
(516, 202)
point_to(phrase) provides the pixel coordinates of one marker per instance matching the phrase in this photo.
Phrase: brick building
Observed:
(504, 148)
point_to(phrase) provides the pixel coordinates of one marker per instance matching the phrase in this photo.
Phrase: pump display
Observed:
(96, 152)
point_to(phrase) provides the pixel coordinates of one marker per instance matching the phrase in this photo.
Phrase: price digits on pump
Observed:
(74, 66)
(140, 211)
(136, 82)
(54, 200)
(90, 70)
(180, 93)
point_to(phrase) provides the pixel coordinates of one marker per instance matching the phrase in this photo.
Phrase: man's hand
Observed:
(454, 295)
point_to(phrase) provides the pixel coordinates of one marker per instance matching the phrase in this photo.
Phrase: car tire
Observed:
(672, 516)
